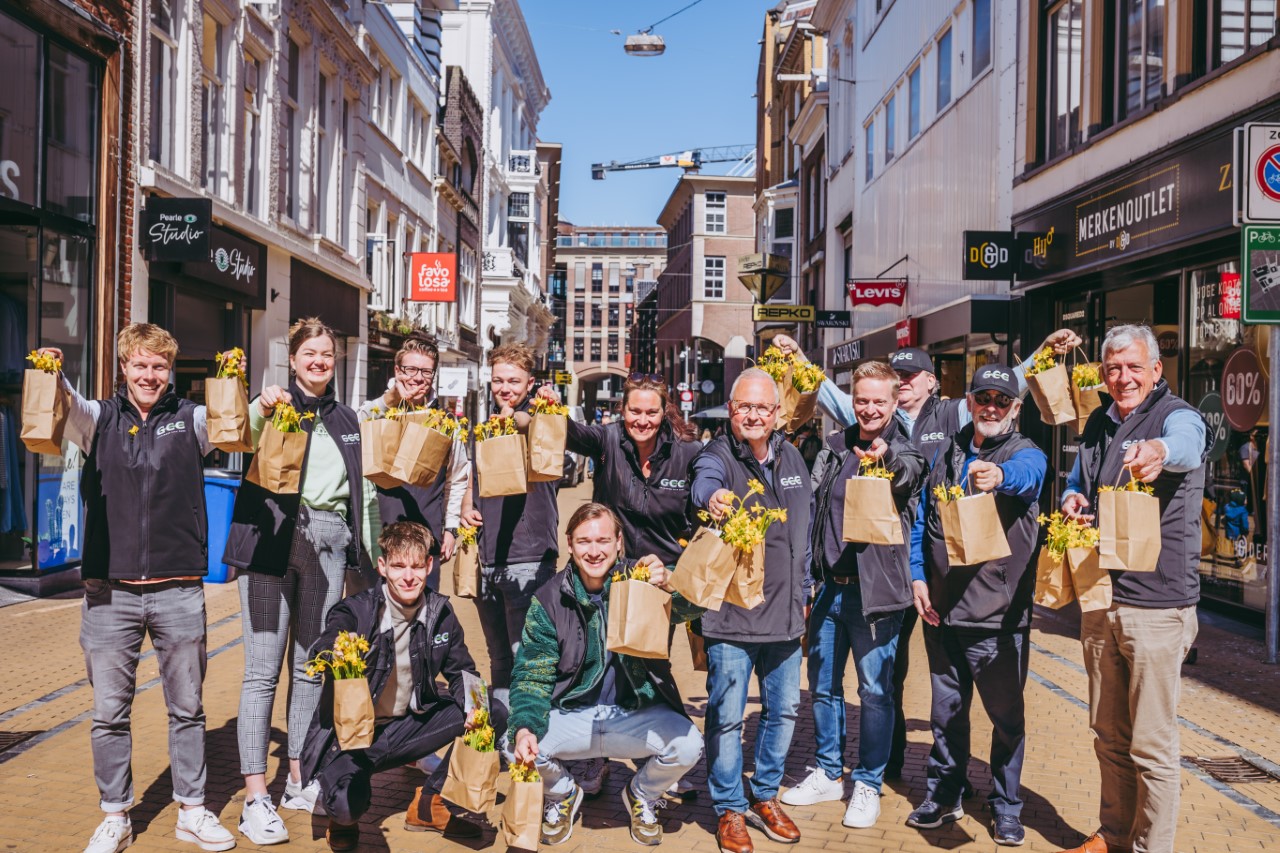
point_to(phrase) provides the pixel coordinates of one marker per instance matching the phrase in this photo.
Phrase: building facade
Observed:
(551, 353)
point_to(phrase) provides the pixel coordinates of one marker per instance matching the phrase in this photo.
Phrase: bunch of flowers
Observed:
(231, 364)
(745, 527)
(495, 427)
(391, 413)
(1065, 533)
(467, 536)
(1131, 486)
(523, 773)
(947, 495)
(1085, 375)
(44, 361)
(871, 467)
(805, 375)
(441, 421)
(1041, 362)
(344, 660)
(285, 418)
(480, 736)
(638, 572)
(543, 406)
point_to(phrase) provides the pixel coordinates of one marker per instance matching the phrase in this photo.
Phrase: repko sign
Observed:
(877, 292)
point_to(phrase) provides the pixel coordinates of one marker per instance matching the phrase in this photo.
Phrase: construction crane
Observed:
(690, 161)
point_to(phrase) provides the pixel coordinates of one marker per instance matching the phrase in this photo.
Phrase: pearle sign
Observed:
(177, 229)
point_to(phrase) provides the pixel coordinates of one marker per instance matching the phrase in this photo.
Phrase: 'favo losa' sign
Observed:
(433, 277)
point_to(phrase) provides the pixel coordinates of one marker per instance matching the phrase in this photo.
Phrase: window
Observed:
(579, 348)
(71, 118)
(982, 35)
(614, 274)
(944, 70)
(164, 52)
(1240, 25)
(327, 160)
(890, 127)
(375, 91)
(1064, 70)
(870, 152)
(518, 205)
(597, 278)
(784, 223)
(631, 316)
(595, 350)
(613, 314)
(1140, 42)
(713, 278)
(613, 347)
(596, 322)
(252, 135)
(716, 208)
(291, 166)
(579, 314)
(913, 103)
(580, 276)
(213, 160)
(518, 240)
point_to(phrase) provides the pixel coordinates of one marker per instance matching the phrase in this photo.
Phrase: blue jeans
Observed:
(839, 626)
(505, 595)
(729, 667)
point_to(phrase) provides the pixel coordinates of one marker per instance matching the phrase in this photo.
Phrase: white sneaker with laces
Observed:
(261, 824)
(201, 826)
(302, 798)
(864, 807)
(429, 764)
(816, 788)
(112, 835)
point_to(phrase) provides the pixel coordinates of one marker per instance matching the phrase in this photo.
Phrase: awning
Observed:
(715, 412)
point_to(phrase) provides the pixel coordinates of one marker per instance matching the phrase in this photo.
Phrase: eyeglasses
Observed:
(760, 409)
(424, 372)
(1002, 401)
(646, 377)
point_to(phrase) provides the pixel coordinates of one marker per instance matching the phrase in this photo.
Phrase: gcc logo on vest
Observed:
(933, 436)
(176, 426)
(672, 484)
(351, 438)
(790, 482)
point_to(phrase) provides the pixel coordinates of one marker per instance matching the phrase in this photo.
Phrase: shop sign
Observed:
(433, 277)
(177, 229)
(1167, 340)
(1229, 296)
(1244, 390)
(989, 255)
(834, 319)
(10, 176)
(1215, 419)
(847, 353)
(907, 332)
(1260, 260)
(1114, 220)
(451, 382)
(782, 313)
(886, 291)
(233, 263)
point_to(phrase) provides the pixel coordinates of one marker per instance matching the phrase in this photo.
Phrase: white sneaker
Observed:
(201, 826)
(816, 788)
(261, 824)
(430, 764)
(302, 798)
(112, 835)
(864, 807)
(591, 774)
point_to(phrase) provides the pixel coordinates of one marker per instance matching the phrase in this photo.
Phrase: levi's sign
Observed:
(888, 291)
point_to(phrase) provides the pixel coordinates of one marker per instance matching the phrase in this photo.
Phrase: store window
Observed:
(71, 112)
(19, 111)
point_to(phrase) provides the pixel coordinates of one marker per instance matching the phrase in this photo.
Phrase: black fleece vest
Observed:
(426, 506)
(518, 528)
(939, 421)
(144, 493)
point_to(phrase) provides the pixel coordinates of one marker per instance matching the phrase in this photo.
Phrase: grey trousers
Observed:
(116, 617)
(505, 595)
(274, 610)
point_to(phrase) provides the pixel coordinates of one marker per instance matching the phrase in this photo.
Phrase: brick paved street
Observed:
(48, 801)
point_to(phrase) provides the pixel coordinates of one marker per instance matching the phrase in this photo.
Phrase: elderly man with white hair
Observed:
(1133, 651)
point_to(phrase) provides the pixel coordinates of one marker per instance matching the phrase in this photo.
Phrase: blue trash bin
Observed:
(219, 497)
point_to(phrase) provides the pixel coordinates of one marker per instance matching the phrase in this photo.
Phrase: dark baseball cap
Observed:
(911, 360)
(995, 377)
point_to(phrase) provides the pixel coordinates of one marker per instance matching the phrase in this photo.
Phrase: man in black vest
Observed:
(978, 617)
(1133, 651)
(766, 639)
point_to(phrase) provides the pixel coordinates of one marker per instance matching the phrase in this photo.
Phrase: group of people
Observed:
(344, 555)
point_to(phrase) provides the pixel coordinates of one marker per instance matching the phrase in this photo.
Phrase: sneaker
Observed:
(645, 828)
(930, 815)
(683, 791)
(557, 820)
(112, 835)
(201, 826)
(1009, 831)
(817, 787)
(430, 764)
(864, 807)
(591, 775)
(261, 824)
(302, 798)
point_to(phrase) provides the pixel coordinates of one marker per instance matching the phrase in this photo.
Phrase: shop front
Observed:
(315, 293)
(1155, 244)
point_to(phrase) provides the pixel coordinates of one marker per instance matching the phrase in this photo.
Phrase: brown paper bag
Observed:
(547, 436)
(798, 408)
(472, 781)
(500, 463)
(1091, 582)
(1053, 581)
(639, 620)
(421, 454)
(870, 515)
(522, 815)
(277, 464)
(352, 713)
(697, 648)
(44, 412)
(746, 589)
(1129, 531)
(1051, 390)
(1085, 400)
(227, 414)
(971, 528)
(704, 569)
(466, 572)
(379, 441)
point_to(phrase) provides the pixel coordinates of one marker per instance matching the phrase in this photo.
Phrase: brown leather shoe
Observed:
(441, 819)
(342, 838)
(768, 817)
(1093, 844)
(732, 834)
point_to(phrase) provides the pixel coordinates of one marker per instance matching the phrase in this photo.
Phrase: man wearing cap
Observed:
(978, 618)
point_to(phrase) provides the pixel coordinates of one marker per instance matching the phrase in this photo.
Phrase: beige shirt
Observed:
(393, 701)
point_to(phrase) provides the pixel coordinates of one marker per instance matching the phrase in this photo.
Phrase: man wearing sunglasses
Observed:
(978, 618)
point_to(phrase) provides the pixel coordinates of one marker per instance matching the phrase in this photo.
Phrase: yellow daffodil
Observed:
(523, 773)
(344, 660)
(495, 427)
(946, 495)
(805, 375)
(285, 418)
(1042, 361)
(44, 361)
(1065, 533)
(467, 537)
(1086, 375)
(870, 467)
(543, 406)
(133, 430)
(231, 365)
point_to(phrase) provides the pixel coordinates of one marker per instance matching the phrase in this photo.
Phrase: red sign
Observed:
(907, 332)
(1244, 390)
(1268, 173)
(433, 277)
(890, 291)
(1229, 296)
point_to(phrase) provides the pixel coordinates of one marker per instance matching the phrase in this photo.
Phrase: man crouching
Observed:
(413, 638)
(572, 699)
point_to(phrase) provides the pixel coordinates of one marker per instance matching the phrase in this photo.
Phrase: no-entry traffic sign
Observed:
(1260, 174)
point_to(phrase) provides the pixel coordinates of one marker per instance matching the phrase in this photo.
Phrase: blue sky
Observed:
(606, 105)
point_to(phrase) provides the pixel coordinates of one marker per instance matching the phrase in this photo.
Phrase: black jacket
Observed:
(437, 648)
(939, 420)
(262, 521)
(517, 528)
(144, 512)
(654, 510)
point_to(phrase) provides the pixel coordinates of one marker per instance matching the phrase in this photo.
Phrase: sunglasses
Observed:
(1002, 401)
(645, 377)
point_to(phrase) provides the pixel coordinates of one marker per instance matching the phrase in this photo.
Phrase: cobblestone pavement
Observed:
(48, 800)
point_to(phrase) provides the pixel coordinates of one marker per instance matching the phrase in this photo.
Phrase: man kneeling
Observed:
(573, 699)
(413, 638)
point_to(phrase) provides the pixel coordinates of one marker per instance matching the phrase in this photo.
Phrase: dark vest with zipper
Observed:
(518, 528)
(939, 420)
(1176, 580)
(144, 512)
(426, 506)
(262, 522)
